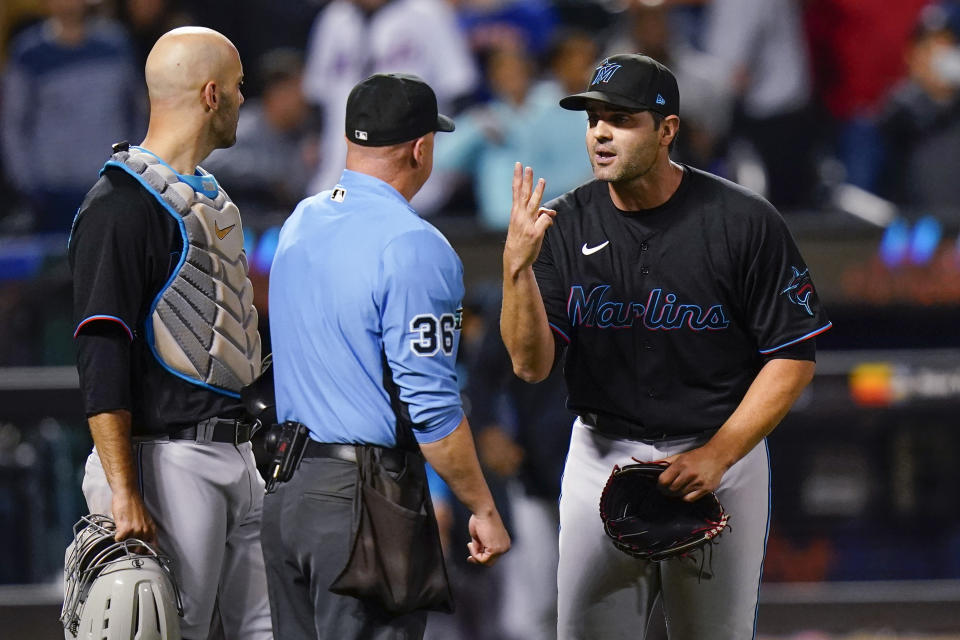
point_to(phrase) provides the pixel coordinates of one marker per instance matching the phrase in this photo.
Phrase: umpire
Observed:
(365, 317)
(686, 317)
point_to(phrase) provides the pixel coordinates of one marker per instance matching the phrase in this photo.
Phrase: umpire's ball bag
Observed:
(396, 558)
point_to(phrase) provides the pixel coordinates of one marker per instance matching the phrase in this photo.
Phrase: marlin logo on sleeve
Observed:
(799, 289)
(604, 72)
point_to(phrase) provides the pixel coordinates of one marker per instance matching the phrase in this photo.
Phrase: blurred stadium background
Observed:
(845, 113)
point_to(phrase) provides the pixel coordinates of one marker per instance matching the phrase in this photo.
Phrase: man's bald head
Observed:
(194, 76)
(184, 60)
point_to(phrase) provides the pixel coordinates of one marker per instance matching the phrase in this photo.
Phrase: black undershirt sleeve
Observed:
(103, 361)
(111, 257)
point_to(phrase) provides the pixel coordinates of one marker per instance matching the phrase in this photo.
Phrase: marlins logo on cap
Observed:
(604, 72)
(631, 81)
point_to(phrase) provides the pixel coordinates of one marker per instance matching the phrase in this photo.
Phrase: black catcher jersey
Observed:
(667, 314)
(123, 249)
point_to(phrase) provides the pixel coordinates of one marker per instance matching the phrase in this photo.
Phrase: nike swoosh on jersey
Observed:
(222, 233)
(588, 251)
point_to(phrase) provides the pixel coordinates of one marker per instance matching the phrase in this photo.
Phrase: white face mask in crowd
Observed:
(946, 65)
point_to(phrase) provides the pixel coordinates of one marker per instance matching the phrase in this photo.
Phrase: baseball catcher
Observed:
(646, 523)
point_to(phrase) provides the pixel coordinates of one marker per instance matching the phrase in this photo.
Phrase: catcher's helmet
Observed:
(117, 590)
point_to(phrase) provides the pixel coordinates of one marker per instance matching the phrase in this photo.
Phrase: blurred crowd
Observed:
(789, 97)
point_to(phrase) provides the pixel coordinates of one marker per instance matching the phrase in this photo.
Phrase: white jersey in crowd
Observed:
(404, 36)
(764, 39)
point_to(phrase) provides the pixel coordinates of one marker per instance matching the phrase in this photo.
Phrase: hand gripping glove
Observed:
(647, 524)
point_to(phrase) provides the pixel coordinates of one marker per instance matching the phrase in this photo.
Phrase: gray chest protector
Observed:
(202, 325)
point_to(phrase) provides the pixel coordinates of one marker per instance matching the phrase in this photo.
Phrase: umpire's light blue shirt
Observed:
(359, 280)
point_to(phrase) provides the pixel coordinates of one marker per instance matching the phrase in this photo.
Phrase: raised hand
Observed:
(528, 221)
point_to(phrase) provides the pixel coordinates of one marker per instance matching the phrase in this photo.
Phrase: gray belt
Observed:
(231, 430)
(392, 459)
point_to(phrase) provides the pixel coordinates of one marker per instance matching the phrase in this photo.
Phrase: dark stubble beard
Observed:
(225, 130)
(227, 137)
(628, 169)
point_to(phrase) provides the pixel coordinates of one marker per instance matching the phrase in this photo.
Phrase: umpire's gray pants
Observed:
(605, 593)
(306, 539)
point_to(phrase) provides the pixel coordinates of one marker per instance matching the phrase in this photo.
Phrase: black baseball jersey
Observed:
(668, 314)
(123, 248)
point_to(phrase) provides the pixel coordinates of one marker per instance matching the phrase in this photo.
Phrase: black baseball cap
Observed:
(390, 108)
(632, 81)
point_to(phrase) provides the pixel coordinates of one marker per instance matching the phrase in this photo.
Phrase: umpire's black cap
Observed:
(390, 108)
(632, 81)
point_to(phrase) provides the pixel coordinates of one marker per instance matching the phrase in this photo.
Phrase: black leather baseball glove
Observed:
(647, 524)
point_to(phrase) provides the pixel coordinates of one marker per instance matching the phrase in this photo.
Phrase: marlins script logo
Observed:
(660, 312)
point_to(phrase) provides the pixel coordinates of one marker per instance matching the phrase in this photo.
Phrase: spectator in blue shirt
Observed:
(364, 309)
(522, 123)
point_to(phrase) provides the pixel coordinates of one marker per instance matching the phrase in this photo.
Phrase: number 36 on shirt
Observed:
(434, 334)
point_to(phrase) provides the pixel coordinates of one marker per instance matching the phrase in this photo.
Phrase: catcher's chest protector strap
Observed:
(202, 325)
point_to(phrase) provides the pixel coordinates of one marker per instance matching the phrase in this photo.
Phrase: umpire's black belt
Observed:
(391, 459)
(616, 427)
(231, 430)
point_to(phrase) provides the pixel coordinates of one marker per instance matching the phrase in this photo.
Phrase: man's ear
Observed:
(211, 96)
(669, 129)
(419, 148)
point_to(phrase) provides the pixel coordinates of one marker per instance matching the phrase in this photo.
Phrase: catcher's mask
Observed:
(117, 590)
